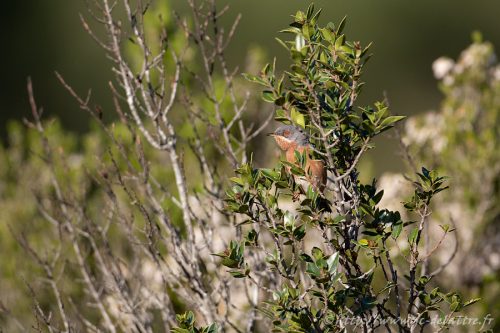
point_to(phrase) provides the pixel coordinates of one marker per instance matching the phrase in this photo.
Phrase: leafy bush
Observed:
(344, 275)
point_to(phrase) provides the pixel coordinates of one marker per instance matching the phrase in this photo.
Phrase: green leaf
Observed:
(413, 236)
(341, 25)
(455, 306)
(253, 78)
(180, 330)
(310, 11)
(471, 301)
(300, 41)
(327, 35)
(305, 257)
(288, 219)
(363, 242)
(377, 197)
(391, 120)
(313, 269)
(212, 328)
(306, 34)
(298, 118)
(299, 16)
(446, 228)
(333, 262)
(426, 173)
(314, 19)
(317, 253)
(252, 238)
(230, 263)
(282, 43)
(268, 96)
(339, 42)
(292, 30)
(238, 274)
(396, 230)
(270, 173)
(237, 180)
(299, 232)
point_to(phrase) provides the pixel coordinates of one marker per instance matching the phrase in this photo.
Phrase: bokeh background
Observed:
(40, 37)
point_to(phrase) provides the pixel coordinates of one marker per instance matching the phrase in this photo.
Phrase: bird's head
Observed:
(287, 136)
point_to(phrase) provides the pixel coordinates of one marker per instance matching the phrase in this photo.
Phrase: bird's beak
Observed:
(271, 134)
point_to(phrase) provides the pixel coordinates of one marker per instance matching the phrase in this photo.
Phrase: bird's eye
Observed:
(286, 133)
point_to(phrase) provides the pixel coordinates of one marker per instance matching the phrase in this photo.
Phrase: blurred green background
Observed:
(40, 37)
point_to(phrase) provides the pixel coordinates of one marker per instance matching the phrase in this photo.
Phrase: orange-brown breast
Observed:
(283, 142)
(290, 153)
(315, 169)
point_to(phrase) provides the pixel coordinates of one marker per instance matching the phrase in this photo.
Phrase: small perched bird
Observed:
(291, 139)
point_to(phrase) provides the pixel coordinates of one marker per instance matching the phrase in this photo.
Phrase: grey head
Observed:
(292, 133)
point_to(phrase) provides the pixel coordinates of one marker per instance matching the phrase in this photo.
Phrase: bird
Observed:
(291, 139)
